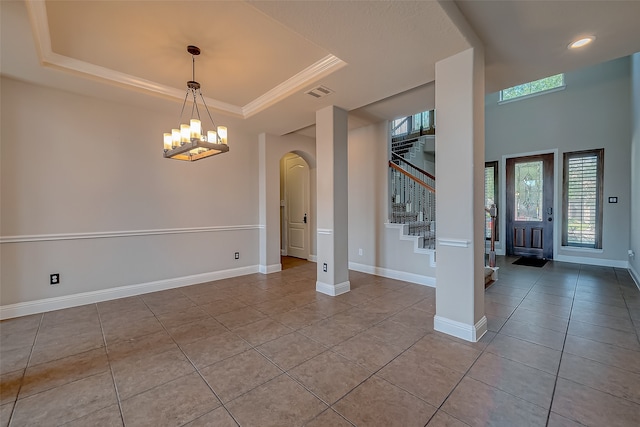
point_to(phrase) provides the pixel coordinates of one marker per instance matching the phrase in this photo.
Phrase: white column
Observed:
(269, 207)
(332, 201)
(460, 195)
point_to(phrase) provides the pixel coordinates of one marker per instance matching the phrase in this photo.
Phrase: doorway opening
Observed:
(294, 207)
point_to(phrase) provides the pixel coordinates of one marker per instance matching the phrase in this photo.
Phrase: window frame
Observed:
(599, 154)
(531, 95)
(496, 194)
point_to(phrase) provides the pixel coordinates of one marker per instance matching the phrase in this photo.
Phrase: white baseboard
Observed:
(268, 269)
(333, 290)
(394, 274)
(74, 300)
(471, 333)
(635, 276)
(593, 261)
(312, 258)
(283, 252)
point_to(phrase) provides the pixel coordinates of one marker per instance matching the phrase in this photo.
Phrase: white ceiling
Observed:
(258, 58)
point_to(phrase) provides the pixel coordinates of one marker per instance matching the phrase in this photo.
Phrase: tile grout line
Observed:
(192, 364)
(113, 377)
(626, 304)
(479, 355)
(484, 349)
(24, 372)
(555, 383)
(330, 349)
(329, 405)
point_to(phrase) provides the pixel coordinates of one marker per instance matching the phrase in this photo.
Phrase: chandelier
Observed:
(190, 142)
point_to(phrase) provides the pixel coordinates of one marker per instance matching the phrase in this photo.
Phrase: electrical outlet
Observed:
(54, 278)
(360, 251)
(237, 255)
(324, 267)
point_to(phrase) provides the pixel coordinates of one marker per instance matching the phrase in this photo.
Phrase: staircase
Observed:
(401, 213)
(413, 200)
(412, 208)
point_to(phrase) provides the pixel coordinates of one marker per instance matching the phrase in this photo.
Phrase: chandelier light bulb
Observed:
(222, 132)
(195, 128)
(168, 141)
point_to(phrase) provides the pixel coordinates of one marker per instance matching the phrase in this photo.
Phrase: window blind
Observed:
(582, 200)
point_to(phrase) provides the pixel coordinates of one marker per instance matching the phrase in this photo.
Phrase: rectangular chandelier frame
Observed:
(182, 152)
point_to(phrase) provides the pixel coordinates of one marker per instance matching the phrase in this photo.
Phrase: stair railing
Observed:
(413, 200)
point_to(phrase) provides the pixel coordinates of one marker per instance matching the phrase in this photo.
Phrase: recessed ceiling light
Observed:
(581, 42)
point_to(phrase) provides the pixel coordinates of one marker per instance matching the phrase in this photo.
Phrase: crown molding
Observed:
(37, 11)
(311, 74)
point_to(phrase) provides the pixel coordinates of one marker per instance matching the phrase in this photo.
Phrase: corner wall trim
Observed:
(394, 274)
(471, 333)
(74, 300)
(333, 290)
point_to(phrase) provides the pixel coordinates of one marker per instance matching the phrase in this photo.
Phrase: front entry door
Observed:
(297, 206)
(529, 209)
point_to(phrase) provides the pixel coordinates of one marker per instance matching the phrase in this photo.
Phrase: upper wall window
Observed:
(414, 125)
(421, 121)
(548, 84)
(400, 127)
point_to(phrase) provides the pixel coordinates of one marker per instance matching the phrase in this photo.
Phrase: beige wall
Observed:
(382, 250)
(76, 170)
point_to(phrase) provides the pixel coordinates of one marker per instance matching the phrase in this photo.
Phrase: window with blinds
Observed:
(490, 195)
(582, 226)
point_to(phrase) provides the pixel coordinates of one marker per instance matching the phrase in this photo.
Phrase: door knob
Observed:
(304, 219)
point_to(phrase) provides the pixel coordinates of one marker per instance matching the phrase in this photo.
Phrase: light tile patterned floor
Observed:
(267, 350)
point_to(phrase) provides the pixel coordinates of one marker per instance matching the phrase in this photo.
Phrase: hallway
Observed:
(268, 350)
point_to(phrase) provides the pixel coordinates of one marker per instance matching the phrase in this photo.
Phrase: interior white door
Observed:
(297, 206)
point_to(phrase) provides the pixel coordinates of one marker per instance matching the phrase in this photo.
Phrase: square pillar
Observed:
(460, 195)
(332, 201)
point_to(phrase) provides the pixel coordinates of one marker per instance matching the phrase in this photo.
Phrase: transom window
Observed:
(548, 84)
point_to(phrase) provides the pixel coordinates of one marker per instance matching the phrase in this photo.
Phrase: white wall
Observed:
(592, 112)
(77, 170)
(635, 167)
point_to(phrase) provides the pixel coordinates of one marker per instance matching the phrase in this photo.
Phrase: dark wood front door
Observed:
(529, 209)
